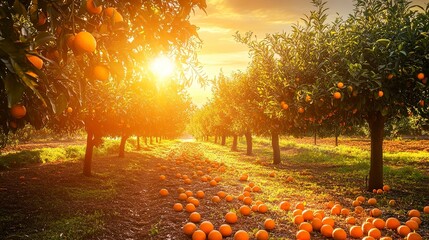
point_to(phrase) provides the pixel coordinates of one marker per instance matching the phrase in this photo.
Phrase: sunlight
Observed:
(162, 67)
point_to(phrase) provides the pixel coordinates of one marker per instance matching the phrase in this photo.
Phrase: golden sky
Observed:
(225, 17)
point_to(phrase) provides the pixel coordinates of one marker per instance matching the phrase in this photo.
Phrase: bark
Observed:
(138, 143)
(249, 143)
(376, 125)
(215, 141)
(145, 141)
(122, 146)
(151, 140)
(234, 147)
(87, 162)
(223, 140)
(336, 140)
(276, 147)
(315, 136)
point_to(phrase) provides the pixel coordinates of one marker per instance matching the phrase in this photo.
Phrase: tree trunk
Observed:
(336, 140)
(376, 126)
(215, 139)
(122, 146)
(151, 140)
(156, 139)
(138, 143)
(276, 147)
(315, 136)
(145, 141)
(234, 144)
(223, 140)
(87, 162)
(249, 143)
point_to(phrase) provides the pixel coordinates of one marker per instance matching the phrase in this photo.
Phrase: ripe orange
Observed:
(339, 234)
(285, 205)
(206, 227)
(214, 235)
(195, 217)
(112, 12)
(35, 60)
(225, 230)
(247, 200)
(351, 220)
(345, 212)
(231, 217)
(91, 8)
(368, 238)
(375, 233)
(308, 215)
(229, 198)
(254, 208)
(298, 219)
(189, 228)
(386, 188)
(213, 183)
(379, 191)
(215, 199)
(300, 206)
(241, 235)
(336, 210)
(356, 232)
(245, 210)
(301, 110)
(200, 194)
(319, 214)
(308, 98)
(244, 177)
(403, 230)
(297, 212)
(417, 219)
(426, 209)
(190, 207)
(414, 236)
(327, 230)
(262, 235)
(256, 189)
(163, 192)
(356, 203)
(100, 72)
(372, 201)
(306, 226)
(183, 196)
(414, 213)
(262, 208)
(269, 224)
(420, 76)
(375, 212)
(380, 93)
(221, 194)
(284, 105)
(189, 193)
(303, 235)
(337, 95)
(413, 225)
(178, 207)
(328, 220)
(162, 177)
(358, 210)
(199, 235)
(367, 226)
(379, 223)
(361, 199)
(390, 76)
(187, 181)
(18, 111)
(392, 203)
(84, 42)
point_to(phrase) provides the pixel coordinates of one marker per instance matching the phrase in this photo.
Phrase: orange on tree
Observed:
(113, 14)
(380, 93)
(69, 109)
(225, 230)
(420, 76)
(189, 228)
(241, 235)
(337, 95)
(100, 72)
(84, 42)
(91, 8)
(303, 235)
(35, 60)
(262, 235)
(18, 111)
(301, 110)
(340, 85)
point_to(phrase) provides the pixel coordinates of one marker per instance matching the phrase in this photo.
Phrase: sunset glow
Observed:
(162, 67)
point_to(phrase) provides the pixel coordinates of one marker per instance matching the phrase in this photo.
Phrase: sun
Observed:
(162, 67)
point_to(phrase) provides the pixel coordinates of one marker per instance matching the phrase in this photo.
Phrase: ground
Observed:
(122, 200)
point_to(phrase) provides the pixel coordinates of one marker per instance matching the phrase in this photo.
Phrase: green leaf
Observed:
(42, 38)
(14, 90)
(384, 41)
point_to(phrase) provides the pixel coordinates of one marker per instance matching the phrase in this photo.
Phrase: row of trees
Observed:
(328, 77)
(84, 63)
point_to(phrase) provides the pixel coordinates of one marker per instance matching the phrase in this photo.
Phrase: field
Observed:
(122, 200)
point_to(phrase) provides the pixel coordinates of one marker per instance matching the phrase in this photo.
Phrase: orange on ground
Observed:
(358, 210)
(195, 217)
(231, 217)
(413, 225)
(84, 42)
(306, 226)
(189, 228)
(308, 215)
(215, 199)
(178, 207)
(326, 230)
(426, 209)
(262, 235)
(368, 238)
(379, 223)
(392, 223)
(345, 212)
(206, 227)
(163, 192)
(386, 188)
(221, 194)
(244, 177)
(262, 208)
(183, 196)
(200, 194)
(417, 219)
(187, 181)
(190, 207)
(214, 235)
(245, 210)
(35, 60)
(297, 212)
(241, 235)
(351, 220)
(199, 235)
(229, 198)
(300, 206)
(366, 226)
(256, 189)
(18, 111)
(414, 236)
(269, 224)
(375, 233)
(225, 230)
(247, 200)
(392, 203)
(372, 201)
(213, 183)
(303, 235)
(328, 220)
(316, 223)
(90, 7)
(414, 213)
(298, 219)
(375, 212)
(285, 205)
(403, 230)
(361, 199)
(339, 234)
(254, 208)
(356, 232)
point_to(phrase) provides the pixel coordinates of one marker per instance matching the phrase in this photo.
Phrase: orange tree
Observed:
(81, 47)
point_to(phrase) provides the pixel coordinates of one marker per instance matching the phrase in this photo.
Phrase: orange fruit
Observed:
(426, 209)
(417, 219)
(358, 210)
(214, 235)
(390, 76)
(361, 199)
(386, 188)
(319, 214)
(245, 210)
(285, 205)
(368, 238)
(189, 228)
(215, 199)
(163, 192)
(372, 201)
(221, 194)
(91, 8)
(284, 105)
(328, 220)
(366, 226)
(187, 181)
(256, 189)
(178, 207)
(69, 109)
(326, 230)
(199, 235)
(272, 174)
(308, 215)
(301, 110)
(162, 177)
(206, 227)
(217, 179)
(329, 205)
(18, 111)
(379, 223)
(200, 194)
(375, 212)
(189, 193)
(356, 203)
(84, 42)
(414, 236)
(413, 225)
(340, 85)
(258, 202)
(297, 212)
(375, 233)
(262, 235)
(335, 210)
(244, 177)
(392, 223)
(190, 207)
(356, 232)
(420, 76)
(247, 200)
(337, 95)
(213, 183)
(306, 226)
(339, 234)
(345, 211)
(298, 219)
(380, 93)
(100, 72)
(195, 217)
(303, 235)
(379, 191)
(241, 235)
(35, 60)
(269, 224)
(351, 220)
(414, 213)
(254, 208)
(403, 230)
(225, 230)
(392, 203)
(183, 196)
(231, 217)
(316, 223)
(229, 198)
(300, 206)
(262, 208)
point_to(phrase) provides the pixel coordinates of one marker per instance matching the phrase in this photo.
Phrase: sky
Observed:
(225, 17)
